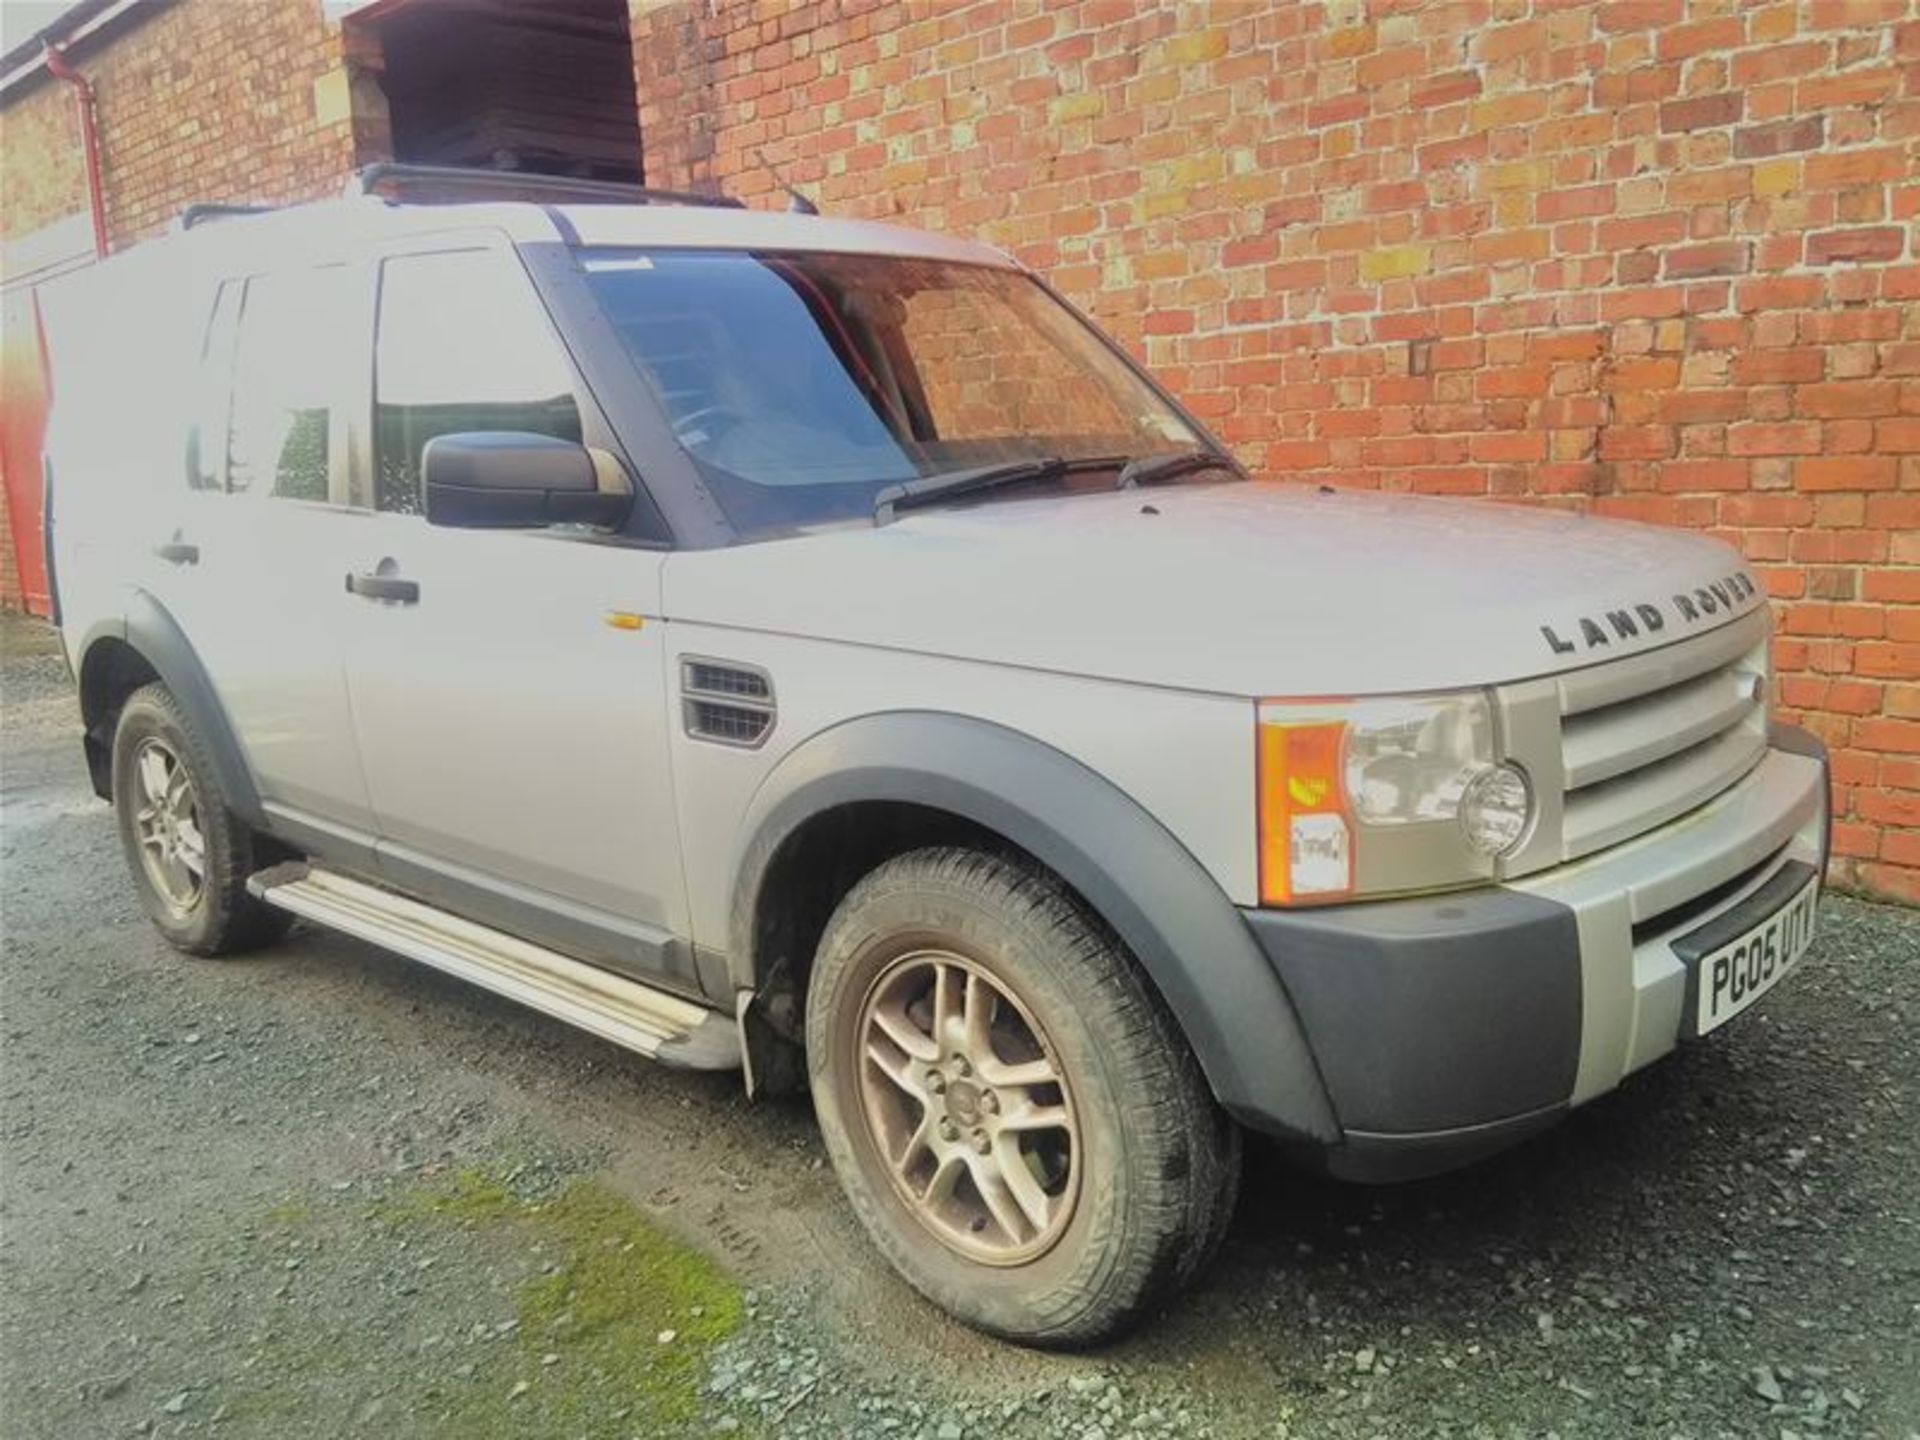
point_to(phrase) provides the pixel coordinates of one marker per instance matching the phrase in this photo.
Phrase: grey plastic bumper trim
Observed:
(1375, 1158)
(1434, 1014)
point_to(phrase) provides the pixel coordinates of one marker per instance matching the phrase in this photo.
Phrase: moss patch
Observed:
(589, 1336)
(463, 1197)
(601, 1286)
(289, 1214)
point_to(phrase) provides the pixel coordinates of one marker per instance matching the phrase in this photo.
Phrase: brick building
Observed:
(1653, 258)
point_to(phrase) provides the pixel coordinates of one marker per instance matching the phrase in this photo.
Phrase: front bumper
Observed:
(1450, 1026)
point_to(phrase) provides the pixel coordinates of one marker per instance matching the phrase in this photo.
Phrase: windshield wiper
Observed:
(1152, 469)
(929, 489)
(1142, 470)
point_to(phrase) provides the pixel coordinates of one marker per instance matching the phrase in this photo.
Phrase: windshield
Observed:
(802, 385)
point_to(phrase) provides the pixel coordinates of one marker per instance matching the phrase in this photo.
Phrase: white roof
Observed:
(715, 227)
(360, 219)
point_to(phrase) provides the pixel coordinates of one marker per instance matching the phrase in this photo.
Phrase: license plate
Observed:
(1730, 977)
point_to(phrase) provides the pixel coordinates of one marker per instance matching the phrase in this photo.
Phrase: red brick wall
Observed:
(1655, 258)
(201, 100)
(41, 177)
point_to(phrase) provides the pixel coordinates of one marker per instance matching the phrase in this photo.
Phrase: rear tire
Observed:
(1047, 1173)
(190, 855)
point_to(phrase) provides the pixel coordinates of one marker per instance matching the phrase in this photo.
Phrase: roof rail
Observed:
(202, 211)
(450, 183)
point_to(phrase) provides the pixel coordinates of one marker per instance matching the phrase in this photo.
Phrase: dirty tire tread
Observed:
(228, 920)
(1215, 1190)
(1176, 1173)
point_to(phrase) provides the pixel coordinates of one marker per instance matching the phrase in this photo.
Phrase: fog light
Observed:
(1495, 809)
(1320, 860)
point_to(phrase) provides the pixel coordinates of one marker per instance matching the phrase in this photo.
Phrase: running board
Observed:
(660, 1026)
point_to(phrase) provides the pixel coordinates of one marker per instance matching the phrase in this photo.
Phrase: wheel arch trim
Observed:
(152, 633)
(1171, 914)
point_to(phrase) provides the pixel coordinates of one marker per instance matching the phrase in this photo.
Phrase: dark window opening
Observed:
(535, 85)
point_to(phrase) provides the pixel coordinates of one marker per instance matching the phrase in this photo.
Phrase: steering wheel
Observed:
(704, 418)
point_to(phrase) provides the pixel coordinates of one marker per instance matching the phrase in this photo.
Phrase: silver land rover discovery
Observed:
(809, 647)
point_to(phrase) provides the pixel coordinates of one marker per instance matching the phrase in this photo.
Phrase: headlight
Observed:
(1382, 796)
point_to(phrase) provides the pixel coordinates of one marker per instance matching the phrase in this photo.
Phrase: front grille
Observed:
(1647, 739)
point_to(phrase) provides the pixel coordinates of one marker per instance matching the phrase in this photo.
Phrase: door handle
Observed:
(178, 552)
(384, 587)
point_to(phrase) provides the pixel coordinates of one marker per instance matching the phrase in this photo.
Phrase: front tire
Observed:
(189, 854)
(1014, 1116)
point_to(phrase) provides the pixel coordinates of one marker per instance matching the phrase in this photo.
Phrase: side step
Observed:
(636, 1016)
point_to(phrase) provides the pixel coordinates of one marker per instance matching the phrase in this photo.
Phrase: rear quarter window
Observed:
(291, 360)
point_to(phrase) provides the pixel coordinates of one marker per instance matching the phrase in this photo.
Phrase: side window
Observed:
(212, 380)
(463, 345)
(291, 360)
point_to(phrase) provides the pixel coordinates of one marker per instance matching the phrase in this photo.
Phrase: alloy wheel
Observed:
(968, 1108)
(166, 820)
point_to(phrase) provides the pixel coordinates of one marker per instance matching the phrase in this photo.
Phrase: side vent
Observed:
(726, 703)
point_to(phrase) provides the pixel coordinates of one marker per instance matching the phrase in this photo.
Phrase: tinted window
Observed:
(464, 345)
(997, 359)
(802, 384)
(292, 357)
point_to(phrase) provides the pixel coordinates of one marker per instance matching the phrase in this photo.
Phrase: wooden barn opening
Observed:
(533, 85)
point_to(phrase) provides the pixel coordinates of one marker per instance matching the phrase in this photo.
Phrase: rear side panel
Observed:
(122, 343)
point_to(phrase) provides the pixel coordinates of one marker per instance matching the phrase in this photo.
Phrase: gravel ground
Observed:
(322, 1191)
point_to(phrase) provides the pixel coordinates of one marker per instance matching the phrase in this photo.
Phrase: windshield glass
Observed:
(802, 385)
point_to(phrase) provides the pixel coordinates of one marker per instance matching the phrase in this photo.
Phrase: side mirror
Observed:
(514, 479)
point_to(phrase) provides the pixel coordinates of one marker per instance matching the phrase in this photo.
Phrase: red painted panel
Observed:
(23, 422)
